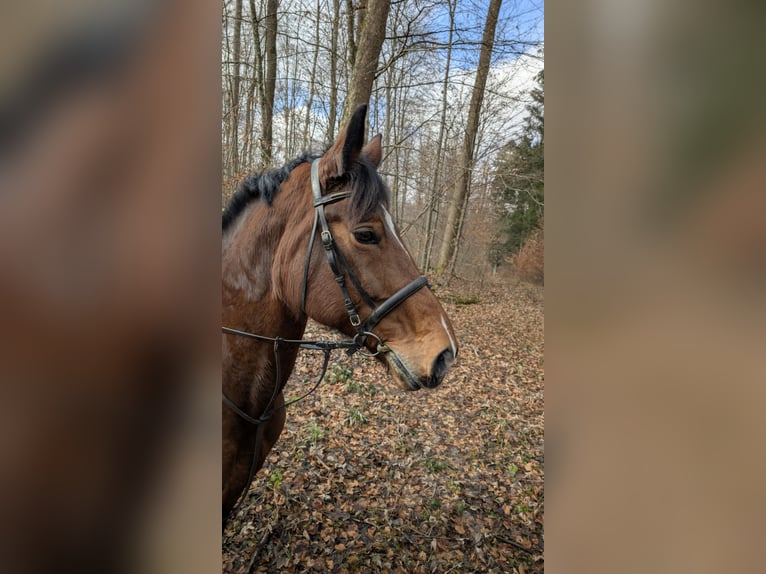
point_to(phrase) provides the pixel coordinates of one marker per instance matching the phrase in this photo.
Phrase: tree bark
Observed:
(388, 137)
(351, 32)
(270, 81)
(234, 93)
(433, 199)
(371, 37)
(461, 223)
(290, 144)
(247, 150)
(257, 54)
(312, 86)
(333, 113)
(402, 108)
(460, 191)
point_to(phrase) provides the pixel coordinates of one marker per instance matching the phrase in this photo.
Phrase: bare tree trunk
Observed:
(234, 93)
(460, 192)
(461, 223)
(390, 135)
(294, 145)
(371, 38)
(312, 86)
(432, 202)
(247, 150)
(270, 81)
(332, 116)
(395, 189)
(402, 109)
(291, 100)
(257, 75)
(225, 97)
(351, 31)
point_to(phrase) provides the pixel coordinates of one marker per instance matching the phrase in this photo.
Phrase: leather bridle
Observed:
(338, 265)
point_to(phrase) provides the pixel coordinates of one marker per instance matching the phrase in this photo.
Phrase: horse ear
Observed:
(373, 150)
(346, 150)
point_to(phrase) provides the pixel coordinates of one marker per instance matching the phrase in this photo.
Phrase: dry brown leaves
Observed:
(366, 477)
(530, 260)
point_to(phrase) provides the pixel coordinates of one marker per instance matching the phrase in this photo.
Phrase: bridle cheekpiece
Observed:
(339, 264)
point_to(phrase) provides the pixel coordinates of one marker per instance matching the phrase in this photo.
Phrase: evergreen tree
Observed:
(519, 180)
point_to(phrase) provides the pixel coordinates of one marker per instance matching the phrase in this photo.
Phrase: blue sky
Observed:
(519, 20)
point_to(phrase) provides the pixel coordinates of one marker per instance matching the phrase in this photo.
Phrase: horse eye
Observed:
(366, 236)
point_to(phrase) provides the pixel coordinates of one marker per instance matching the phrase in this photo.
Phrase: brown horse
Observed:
(275, 276)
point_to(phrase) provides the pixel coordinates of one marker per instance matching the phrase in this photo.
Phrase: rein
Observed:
(324, 346)
(338, 265)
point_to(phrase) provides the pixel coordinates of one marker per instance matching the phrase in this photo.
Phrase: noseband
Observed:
(339, 264)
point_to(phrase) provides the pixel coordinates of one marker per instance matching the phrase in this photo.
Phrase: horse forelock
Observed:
(368, 191)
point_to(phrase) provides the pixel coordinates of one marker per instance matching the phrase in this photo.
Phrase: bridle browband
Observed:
(338, 265)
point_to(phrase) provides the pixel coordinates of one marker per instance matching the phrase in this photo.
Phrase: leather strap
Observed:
(339, 264)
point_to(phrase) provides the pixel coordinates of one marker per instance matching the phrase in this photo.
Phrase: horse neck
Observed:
(251, 304)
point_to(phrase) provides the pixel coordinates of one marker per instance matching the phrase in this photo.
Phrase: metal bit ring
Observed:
(359, 340)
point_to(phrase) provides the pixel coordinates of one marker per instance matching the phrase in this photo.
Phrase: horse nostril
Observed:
(440, 367)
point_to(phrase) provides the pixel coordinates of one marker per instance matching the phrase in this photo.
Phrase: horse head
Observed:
(405, 325)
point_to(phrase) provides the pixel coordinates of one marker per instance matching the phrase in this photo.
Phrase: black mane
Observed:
(368, 191)
(262, 186)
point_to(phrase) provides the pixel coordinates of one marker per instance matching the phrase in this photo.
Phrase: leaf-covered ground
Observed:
(369, 478)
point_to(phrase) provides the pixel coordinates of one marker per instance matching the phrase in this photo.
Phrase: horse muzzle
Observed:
(409, 379)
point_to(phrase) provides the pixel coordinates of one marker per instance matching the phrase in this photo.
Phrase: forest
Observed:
(455, 88)
(366, 478)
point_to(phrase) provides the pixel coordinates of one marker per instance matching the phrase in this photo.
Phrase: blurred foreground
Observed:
(655, 260)
(109, 266)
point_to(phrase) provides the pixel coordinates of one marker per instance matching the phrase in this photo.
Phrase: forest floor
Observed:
(370, 478)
